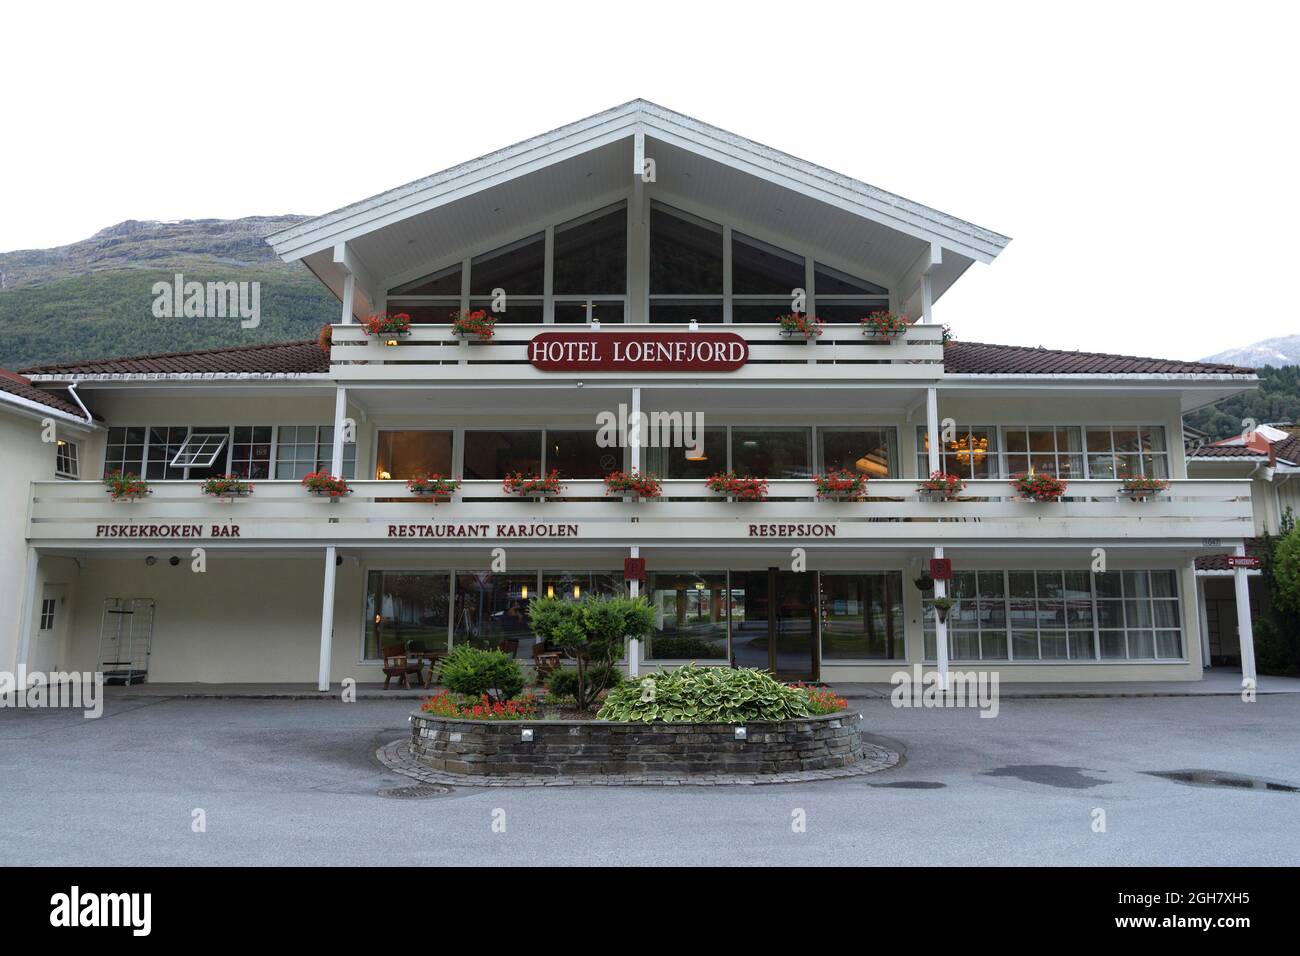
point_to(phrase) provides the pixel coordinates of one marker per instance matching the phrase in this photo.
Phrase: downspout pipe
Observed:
(72, 390)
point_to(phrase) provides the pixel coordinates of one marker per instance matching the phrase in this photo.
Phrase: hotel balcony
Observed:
(1191, 513)
(843, 353)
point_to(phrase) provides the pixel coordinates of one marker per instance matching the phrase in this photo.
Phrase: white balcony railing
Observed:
(433, 351)
(284, 512)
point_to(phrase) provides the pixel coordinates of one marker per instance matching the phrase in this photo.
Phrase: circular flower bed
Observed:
(694, 719)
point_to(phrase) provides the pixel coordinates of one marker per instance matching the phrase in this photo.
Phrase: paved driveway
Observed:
(296, 782)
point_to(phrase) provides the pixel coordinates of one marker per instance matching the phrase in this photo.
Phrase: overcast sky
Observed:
(1142, 156)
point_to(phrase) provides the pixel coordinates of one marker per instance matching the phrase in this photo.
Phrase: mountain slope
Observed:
(1280, 351)
(94, 299)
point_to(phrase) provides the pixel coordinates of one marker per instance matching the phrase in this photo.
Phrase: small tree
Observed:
(592, 631)
(1286, 569)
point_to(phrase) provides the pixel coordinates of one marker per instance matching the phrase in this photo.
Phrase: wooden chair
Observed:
(545, 661)
(397, 664)
(509, 647)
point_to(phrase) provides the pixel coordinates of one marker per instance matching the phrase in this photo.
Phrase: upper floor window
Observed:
(842, 298)
(590, 255)
(439, 296)
(177, 452)
(1115, 451)
(869, 451)
(1054, 450)
(971, 453)
(67, 460)
(301, 449)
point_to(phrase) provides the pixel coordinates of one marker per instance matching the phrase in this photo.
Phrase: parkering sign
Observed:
(638, 351)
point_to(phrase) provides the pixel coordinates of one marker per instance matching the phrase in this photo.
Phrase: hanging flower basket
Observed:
(884, 325)
(841, 484)
(532, 486)
(742, 489)
(432, 486)
(1140, 487)
(386, 326)
(940, 487)
(325, 339)
(796, 323)
(226, 486)
(924, 583)
(324, 485)
(1038, 486)
(942, 605)
(477, 324)
(126, 487)
(633, 483)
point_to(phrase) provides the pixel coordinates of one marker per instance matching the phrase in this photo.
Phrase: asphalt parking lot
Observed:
(282, 781)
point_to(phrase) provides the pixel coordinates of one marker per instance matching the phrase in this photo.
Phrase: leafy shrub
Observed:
(474, 672)
(448, 704)
(706, 695)
(563, 682)
(593, 631)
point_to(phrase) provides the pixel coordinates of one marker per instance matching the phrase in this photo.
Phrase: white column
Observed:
(1245, 633)
(327, 619)
(634, 645)
(1202, 618)
(340, 413)
(941, 631)
(349, 297)
(634, 437)
(927, 301)
(932, 428)
(27, 611)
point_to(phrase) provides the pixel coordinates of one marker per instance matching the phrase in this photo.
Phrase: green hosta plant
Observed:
(705, 695)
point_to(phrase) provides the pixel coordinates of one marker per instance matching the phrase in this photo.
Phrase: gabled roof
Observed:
(15, 384)
(276, 358)
(676, 130)
(981, 359)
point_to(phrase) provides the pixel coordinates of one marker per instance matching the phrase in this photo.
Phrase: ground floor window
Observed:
(1054, 615)
(862, 616)
(407, 608)
(491, 610)
(692, 611)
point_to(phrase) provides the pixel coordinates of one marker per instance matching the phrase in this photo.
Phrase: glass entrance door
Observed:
(774, 622)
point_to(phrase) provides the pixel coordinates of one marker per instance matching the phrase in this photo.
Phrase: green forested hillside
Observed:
(94, 299)
(1276, 400)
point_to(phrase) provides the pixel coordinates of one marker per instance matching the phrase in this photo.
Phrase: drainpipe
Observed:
(72, 390)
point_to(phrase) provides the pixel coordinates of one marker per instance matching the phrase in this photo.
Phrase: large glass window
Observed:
(760, 269)
(405, 454)
(302, 449)
(250, 451)
(491, 454)
(690, 463)
(124, 451)
(1116, 451)
(690, 615)
(518, 268)
(777, 452)
(407, 608)
(1044, 449)
(870, 451)
(685, 260)
(1054, 615)
(492, 611)
(972, 452)
(445, 282)
(575, 455)
(862, 616)
(591, 255)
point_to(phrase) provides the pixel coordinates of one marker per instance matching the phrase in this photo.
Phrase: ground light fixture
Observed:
(742, 733)
(526, 735)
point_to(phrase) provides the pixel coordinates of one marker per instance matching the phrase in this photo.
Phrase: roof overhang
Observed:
(512, 192)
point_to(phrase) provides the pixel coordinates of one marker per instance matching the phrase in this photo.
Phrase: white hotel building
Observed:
(576, 232)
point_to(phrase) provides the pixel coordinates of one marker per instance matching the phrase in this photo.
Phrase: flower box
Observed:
(532, 486)
(1038, 486)
(226, 486)
(742, 489)
(841, 485)
(642, 486)
(884, 325)
(940, 487)
(324, 485)
(477, 324)
(126, 487)
(796, 323)
(384, 325)
(432, 486)
(942, 605)
(1140, 487)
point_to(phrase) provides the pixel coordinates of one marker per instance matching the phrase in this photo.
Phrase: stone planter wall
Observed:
(575, 748)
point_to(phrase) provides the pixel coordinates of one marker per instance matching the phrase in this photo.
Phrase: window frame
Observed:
(67, 451)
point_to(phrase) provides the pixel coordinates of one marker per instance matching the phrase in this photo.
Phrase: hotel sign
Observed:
(638, 351)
